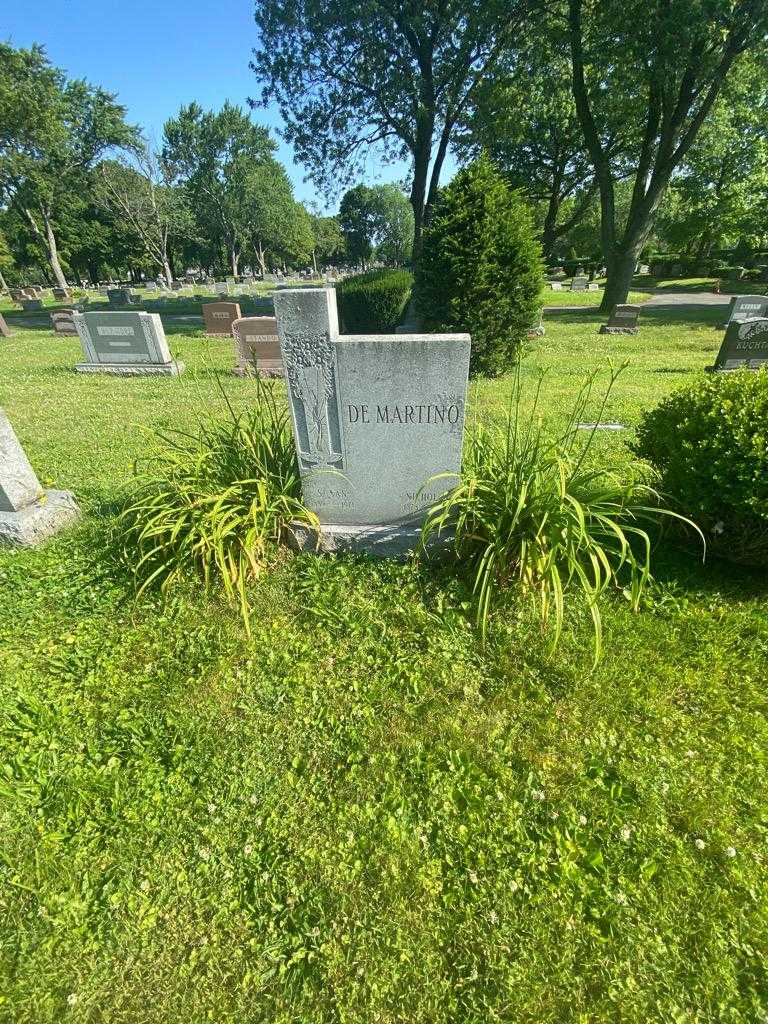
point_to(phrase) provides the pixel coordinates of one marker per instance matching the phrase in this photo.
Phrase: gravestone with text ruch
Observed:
(257, 346)
(28, 514)
(5, 331)
(623, 320)
(219, 317)
(579, 284)
(63, 321)
(745, 345)
(378, 422)
(127, 344)
(743, 307)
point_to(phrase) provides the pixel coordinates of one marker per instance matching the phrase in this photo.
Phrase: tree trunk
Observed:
(167, 272)
(3, 285)
(621, 270)
(53, 252)
(233, 260)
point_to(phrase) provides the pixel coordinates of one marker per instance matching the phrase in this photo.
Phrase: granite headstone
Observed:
(126, 343)
(28, 514)
(257, 346)
(63, 322)
(623, 320)
(219, 317)
(377, 421)
(745, 345)
(579, 284)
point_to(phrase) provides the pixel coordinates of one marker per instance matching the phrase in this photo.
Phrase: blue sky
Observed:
(157, 55)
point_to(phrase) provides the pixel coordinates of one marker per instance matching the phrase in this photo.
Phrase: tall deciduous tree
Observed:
(139, 192)
(398, 73)
(52, 132)
(330, 243)
(213, 155)
(377, 219)
(666, 61)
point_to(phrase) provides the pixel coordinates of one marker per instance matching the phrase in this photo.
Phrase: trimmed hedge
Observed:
(373, 303)
(709, 442)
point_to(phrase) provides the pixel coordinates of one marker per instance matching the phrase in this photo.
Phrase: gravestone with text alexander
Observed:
(378, 422)
(745, 345)
(623, 320)
(257, 346)
(125, 343)
(219, 317)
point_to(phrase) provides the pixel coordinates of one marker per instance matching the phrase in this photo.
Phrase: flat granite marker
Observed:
(623, 320)
(257, 346)
(375, 419)
(219, 317)
(28, 514)
(745, 345)
(126, 343)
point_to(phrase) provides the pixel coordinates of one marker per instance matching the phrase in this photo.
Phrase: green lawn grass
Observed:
(358, 814)
(569, 298)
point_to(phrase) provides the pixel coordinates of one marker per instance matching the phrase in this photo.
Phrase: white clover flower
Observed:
(626, 833)
(690, 753)
(665, 788)
(472, 876)
(699, 844)
(493, 917)
(211, 808)
(253, 799)
(730, 851)
(582, 819)
(247, 849)
(144, 885)
(538, 794)
(204, 853)
(621, 899)
(72, 999)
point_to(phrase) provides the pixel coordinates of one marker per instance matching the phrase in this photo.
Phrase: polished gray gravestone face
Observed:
(60, 293)
(579, 284)
(130, 343)
(219, 317)
(28, 514)
(375, 418)
(744, 307)
(623, 320)
(745, 345)
(31, 305)
(62, 321)
(257, 346)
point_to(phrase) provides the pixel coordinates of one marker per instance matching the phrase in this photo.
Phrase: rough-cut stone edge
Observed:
(605, 329)
(133, 369)
(38, 521)
(395, 540)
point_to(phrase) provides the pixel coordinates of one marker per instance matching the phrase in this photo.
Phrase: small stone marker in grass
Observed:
(745, 345)
(60, 294)
(5, 331)
(28, 514)
(219, 317)
(120, 297)
(556, 286)
(257, 346)
(579, 284)
(127, 344)
(623, 320)
(593, 286)
(378, 422)
(63, 322)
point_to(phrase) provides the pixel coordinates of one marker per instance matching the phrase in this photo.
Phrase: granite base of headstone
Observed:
(744, 347)
(378, 423)
(28, 513)
(128, 344)
(623, 320)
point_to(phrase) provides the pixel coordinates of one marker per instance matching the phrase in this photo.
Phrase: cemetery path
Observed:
(658, 300)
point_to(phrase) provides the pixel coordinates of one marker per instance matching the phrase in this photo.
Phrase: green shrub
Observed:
(709, 442)
(536, 512)
(480, 268)
(216, 502)
(373, 303)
